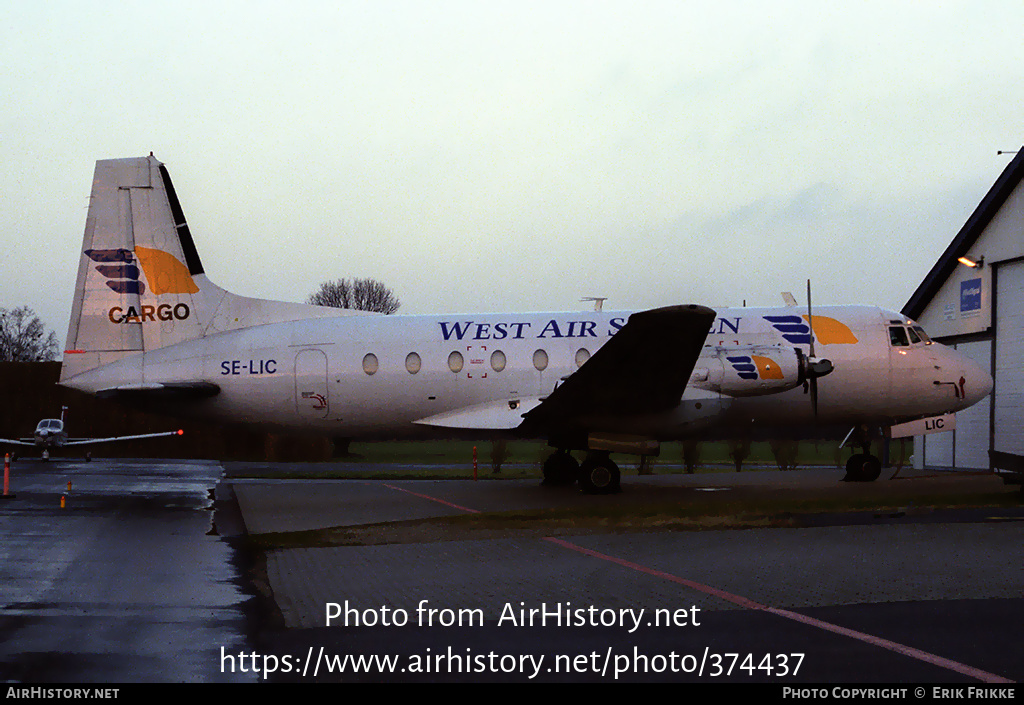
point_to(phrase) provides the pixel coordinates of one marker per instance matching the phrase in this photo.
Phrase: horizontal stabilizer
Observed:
(168, 391)
(496, 415)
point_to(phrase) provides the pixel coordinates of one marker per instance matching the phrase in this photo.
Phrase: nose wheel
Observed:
(862, 467)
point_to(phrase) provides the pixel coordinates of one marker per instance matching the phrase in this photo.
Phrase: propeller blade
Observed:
(812, 366)
(810, 319)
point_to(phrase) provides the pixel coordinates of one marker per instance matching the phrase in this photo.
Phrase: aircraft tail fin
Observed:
(141, 284)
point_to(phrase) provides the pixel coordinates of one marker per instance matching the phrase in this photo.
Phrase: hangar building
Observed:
(973, 300)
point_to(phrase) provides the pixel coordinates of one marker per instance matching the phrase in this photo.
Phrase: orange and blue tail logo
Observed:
(164, 272)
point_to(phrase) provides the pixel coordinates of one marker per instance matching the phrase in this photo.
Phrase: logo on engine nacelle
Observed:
(755, 367)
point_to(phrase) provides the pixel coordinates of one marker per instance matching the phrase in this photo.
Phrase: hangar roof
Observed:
(968, 235)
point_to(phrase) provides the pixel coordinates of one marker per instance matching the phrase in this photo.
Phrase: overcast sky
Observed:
(486, 156)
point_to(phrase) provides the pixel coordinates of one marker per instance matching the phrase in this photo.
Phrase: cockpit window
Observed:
(914, 338)
(898, 336)
(924, 336)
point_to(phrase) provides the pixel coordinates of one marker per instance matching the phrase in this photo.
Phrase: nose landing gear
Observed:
(862, 467)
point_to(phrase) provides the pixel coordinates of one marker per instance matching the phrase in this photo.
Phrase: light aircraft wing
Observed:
(22, 442)
(642, 369)
(92, 441)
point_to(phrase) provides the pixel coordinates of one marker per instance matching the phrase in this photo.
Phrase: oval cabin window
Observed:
(455, 361)
(582, 355)
(498, 361)
(413, 363)
(370, 363)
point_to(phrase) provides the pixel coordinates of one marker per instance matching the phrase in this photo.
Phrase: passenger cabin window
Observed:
(498, 361)
(413, 363)
(370, 363)
(455, 361)
(898, 337)
(540, 360)
(582, 355)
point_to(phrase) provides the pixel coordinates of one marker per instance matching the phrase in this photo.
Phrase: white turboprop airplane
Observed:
(50, 433)
(148, 326)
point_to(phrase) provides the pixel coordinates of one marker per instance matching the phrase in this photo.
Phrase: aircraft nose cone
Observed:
(975, 382)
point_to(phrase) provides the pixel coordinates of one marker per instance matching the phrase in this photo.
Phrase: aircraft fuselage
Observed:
(390, 376)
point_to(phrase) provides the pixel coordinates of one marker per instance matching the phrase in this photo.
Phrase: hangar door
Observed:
(1009, 372)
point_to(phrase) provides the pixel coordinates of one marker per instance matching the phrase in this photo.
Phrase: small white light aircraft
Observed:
(147, 326)
(50, 433)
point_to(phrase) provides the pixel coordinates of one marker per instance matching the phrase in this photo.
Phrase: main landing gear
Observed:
(598, 474)
(561, 468)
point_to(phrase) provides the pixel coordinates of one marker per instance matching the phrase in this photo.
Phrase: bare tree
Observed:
(359, 294)
(23, 337)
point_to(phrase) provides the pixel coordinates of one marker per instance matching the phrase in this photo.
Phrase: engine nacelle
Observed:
(749, 370)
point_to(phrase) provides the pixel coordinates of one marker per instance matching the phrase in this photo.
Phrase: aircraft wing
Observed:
(642, 369)
(92, 441)
(22, 442)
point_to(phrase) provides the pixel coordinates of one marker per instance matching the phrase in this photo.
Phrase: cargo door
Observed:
(311, 396)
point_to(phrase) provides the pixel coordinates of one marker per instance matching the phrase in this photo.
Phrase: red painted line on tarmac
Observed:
(727, 596)
(432, 499)
(910, 651)
(746, 603)
(939, 661)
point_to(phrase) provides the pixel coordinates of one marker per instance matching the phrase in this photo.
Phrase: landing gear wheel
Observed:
(560, 469)
(862, 467)
(599, 475)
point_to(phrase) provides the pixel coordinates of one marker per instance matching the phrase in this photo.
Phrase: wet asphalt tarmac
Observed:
(126, 583)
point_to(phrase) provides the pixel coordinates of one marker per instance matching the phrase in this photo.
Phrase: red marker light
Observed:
(181, 432)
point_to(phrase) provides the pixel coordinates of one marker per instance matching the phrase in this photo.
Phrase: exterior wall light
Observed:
(969, 261)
